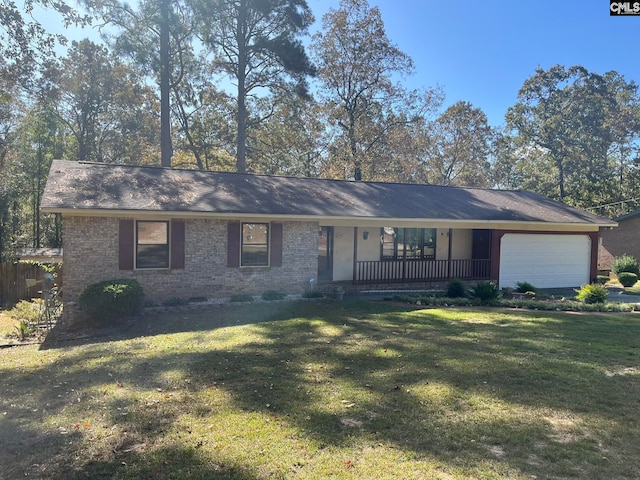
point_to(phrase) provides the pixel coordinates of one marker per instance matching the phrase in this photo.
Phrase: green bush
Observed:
(627, 279)
(25, 330)
(525, 287)
(456, 289)
(27, 312)
(592, 293)
(29, 315)
(112, 299)
(602, 279)
(486, 293)
(273, 295)
(625, 263)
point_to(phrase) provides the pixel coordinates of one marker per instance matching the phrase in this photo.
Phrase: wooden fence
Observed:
(22, 281)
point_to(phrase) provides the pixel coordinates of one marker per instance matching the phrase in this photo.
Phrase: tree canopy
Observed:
(256, 44)
(363, 104)
(24, 42)
(585, 124)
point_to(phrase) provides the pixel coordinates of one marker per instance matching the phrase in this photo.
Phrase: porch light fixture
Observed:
(365, 235)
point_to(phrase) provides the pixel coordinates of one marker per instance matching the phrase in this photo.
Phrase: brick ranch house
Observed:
(185, 233)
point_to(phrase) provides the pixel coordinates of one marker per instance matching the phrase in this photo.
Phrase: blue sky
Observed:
(482, 51)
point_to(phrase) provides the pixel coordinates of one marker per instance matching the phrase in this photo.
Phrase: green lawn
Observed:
(328, 389)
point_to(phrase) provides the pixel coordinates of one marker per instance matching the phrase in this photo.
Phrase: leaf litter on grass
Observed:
(398, 392)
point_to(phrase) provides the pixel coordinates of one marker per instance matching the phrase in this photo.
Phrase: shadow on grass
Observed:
(362, 372)
(181, 462)
(177, 320)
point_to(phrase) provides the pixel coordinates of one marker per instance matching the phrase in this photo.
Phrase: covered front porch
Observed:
(365, 255)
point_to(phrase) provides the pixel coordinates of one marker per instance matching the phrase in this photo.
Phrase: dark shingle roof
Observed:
(94, 187)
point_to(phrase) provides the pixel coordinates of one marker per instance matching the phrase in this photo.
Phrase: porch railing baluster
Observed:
(421, 270)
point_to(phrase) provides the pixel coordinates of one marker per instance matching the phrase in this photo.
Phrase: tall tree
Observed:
(39, 140)
(11, 108)
(156, 36)
(256, 43)
(625, 135)
(520, 165)
(289, 141)
(574, 117)
(357, 65)
(110, 115)
(205, 132)
(166, 146)
(460, 148)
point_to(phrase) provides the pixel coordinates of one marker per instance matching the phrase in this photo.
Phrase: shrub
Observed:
(273, 295)
(456, 289)
(486, 293)
(627, 279)
(25, 330)
(602, 279)
(592, 293)
(625, 263)
(112, 299)
(27, 312)
(29, 315)
(525, 287)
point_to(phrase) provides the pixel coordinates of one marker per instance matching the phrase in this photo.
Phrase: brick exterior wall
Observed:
(625, 238)
(91, 255)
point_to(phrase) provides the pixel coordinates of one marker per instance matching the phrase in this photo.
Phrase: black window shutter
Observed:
(276, 245)
(233, 244)
(177, 244)
(126, 244)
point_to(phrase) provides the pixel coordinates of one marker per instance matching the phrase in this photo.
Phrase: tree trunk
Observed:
(241, 116)
(353, 146)
(38, 195)
(166, 148)
(560, 179)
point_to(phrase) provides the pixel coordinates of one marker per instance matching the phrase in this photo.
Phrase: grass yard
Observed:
(343, 390)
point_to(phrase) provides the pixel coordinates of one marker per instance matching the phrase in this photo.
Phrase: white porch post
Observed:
(450, 235)
(355, 254)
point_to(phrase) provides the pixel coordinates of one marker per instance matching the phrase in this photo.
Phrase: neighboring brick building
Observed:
(624, 239)
(187, 233)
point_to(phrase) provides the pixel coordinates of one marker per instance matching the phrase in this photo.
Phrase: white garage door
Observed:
(545, 261)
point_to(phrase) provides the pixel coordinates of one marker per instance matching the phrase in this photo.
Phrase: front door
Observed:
(325, 254)
(481, 253)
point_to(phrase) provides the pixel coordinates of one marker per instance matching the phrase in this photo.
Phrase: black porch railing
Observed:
(405, 271)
